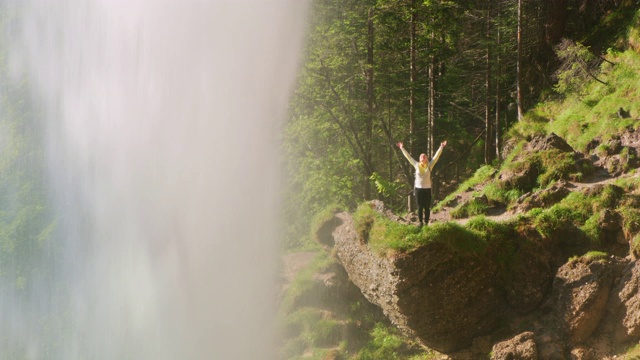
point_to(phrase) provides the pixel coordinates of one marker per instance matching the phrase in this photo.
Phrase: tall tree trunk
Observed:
(431, 102)
(412, 75)
(370, 105)
(519, 94)
(488, 143)
(498, 75)
(431, 114)
(556, 21)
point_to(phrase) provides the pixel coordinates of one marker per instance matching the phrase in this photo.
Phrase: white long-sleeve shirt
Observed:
(423, 173)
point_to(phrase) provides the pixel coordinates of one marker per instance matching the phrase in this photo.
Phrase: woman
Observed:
(422, 186)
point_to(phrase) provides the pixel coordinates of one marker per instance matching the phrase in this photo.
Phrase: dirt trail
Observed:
(601, 177)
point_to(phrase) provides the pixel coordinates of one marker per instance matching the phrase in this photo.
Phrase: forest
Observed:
(376, 73)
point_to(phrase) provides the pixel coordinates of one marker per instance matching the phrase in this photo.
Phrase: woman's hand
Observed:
(400, 145)
(443, 144)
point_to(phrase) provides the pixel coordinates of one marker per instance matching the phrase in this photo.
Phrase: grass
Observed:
(321, 218)
(580, 117)
(312, 331)
(591, 256)
(387, 343)
(303, 283)
(482, 175)
(475, 206)
(387, 238)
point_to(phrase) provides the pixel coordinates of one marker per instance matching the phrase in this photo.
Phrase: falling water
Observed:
(159, 125)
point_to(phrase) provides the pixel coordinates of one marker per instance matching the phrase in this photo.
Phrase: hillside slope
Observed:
(535, 257)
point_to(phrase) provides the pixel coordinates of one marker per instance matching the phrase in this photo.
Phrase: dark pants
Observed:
(423, 198)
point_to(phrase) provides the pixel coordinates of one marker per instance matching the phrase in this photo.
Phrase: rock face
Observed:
(442, 298)
(623, 309)
(447, 301)
(543, 198)
(580, 292)
(550, 142)
(521, 347)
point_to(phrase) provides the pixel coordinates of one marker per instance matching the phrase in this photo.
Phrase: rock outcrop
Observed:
(436, 295)
(448, 300)
(521, 347)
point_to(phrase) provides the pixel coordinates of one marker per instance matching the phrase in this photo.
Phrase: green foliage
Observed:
(475, 206)
(318, 221)
(609, 197)
(581, 116)
(330, 119)
(483, 174)
(558, 216)
(630, 220)
(387, 237)
(303, 283)
(633, 34)
(390, 189)
(385, 344)
(592, 230)
(558, 166)
(591, 256)
(634, 244)
(497, 194)
(578, 64)
(364, 218)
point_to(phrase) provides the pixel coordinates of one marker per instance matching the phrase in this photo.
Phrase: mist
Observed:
(160, 127)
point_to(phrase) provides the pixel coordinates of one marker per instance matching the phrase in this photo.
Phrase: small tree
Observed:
(577, 64)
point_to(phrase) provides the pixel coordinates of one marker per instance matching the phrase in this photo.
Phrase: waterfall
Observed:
(159, 122)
